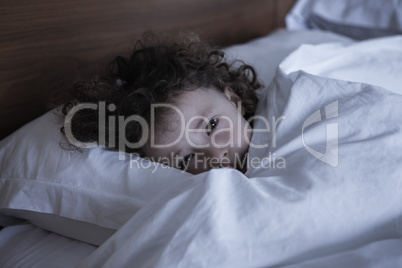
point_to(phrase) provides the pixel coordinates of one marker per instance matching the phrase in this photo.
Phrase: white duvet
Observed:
(327, 193)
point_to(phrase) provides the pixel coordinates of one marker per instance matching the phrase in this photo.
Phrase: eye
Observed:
(186, 160)
(211, 125)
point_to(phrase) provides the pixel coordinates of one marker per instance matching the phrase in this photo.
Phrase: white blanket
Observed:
(328, 192)
(376, 61)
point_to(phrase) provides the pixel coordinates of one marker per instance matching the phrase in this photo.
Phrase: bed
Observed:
(326, 191)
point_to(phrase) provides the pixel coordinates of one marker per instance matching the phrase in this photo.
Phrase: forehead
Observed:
(187, 110)
(195, 103)
(195, 96)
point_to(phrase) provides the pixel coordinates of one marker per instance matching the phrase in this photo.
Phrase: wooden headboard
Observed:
(47, 43)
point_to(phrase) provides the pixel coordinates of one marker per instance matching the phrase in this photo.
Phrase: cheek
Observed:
(237, 132)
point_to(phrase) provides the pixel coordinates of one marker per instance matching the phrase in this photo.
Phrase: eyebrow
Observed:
(200, 121)
(203, 117)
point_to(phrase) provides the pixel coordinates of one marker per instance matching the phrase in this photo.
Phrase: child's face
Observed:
(205, 129)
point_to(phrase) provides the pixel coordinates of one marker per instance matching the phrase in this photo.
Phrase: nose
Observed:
(219, 145)
(218, 157)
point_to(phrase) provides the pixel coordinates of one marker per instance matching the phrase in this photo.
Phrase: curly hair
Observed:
(156, 72)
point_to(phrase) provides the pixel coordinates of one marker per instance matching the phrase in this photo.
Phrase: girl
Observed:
(176, 102)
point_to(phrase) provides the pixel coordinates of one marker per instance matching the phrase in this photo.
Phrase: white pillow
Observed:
(86, 196)
(89, 195)
(358, 19)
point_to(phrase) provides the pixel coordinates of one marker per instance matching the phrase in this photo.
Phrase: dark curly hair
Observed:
(156, 72)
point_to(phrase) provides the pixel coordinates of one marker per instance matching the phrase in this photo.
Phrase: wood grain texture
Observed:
(281, 8)
(47, 43)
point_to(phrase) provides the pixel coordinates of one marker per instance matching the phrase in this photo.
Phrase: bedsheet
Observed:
(326, 191)
(25, 245)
